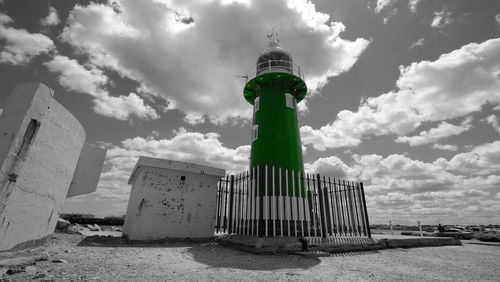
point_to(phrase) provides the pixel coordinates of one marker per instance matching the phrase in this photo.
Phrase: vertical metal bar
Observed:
(335, 210)
(300, 205)
(330, 205)
(266, 206)
(351, 210)
(259, 202)
(341, 206)
(339, 185)
(274, 203)
(235, 205)
(312, 204)
(317, 221)
(218, 208)
(347, 208)
(255, 202)
(367, 222)
(353, 221)
(306, 206)
(315, 206)
(231, 202)
(281, 206)
(328, 214)
(240, 204)
(295, 208)
(252, 200)
(360, 207)
(287, 203)
(304, 210)
(248, 212)
(354, 209)
(244, 204)
(358, 212)
(324, 232)
(226, 187)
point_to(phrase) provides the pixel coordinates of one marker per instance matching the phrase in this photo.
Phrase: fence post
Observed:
(225, 195)
(260, 194)
(231, 202)
(321, 198)
(365, 210)
(354, 190)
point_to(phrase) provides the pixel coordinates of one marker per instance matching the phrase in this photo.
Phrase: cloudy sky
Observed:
(404, 95)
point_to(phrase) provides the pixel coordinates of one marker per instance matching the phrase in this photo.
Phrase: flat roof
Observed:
(175, 165)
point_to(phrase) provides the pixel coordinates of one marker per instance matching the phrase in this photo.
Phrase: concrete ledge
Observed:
(415, 242)
(262, 245)
(277, 245)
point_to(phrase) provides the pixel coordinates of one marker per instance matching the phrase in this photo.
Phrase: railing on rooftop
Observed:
(270, 201)
(276, 66)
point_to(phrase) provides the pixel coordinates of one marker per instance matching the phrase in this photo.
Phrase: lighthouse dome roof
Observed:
(274, 59)
(274, 47)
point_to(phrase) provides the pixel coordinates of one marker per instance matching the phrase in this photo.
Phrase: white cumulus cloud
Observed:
(190, 52)
(493, 121)
(443, 130)
(383, 5)
(455, 85)
(92, 81)
(462, 189)
(51, 19)
(442, 18)
(446, 147)
(20, 46)
(413, 5)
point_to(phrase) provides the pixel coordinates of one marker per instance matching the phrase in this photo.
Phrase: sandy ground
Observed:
(89, 260)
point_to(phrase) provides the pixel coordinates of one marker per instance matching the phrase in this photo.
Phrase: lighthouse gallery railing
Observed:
(270, 201)
(276, 66)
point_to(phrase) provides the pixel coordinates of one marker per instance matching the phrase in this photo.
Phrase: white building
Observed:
(40, 147)
(171, 199)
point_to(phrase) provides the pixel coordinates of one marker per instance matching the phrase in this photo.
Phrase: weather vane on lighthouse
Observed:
(274, 91)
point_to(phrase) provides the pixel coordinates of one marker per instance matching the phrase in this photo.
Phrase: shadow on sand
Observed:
(210, 253)
(119, 242)
(215, 255)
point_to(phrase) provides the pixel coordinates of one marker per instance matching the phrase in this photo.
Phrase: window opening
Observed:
(289, 100)
(255, 132)
(256, 104)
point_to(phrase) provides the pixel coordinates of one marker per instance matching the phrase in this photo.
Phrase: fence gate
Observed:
(271, 201)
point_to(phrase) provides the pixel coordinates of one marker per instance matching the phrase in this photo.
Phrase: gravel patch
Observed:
(191, 261)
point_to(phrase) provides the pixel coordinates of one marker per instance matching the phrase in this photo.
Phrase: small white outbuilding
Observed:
(171, 199)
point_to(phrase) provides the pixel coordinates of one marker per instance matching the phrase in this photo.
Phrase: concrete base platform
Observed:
(308, 245)
(399, 241)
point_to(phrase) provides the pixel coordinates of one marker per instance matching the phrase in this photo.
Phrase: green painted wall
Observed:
(278, 143)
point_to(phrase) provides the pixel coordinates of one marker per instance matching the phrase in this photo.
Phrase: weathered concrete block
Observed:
(40, 144)
(87, 172)
(171, 199)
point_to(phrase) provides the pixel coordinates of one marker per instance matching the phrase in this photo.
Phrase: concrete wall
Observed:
(171, 199)
(88, 170)
(35, 172)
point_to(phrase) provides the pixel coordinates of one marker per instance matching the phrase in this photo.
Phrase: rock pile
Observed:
(64, 226)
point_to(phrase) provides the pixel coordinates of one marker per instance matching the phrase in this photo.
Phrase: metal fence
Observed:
(270, 201)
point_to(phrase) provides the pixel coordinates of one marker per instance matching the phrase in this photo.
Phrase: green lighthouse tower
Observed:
(274, 91)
